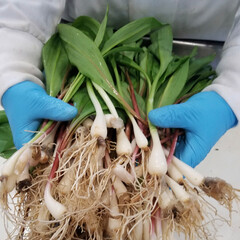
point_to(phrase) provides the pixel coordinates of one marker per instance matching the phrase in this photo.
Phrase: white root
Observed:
(121, 190)
(8, 167)
(67, 181)
(157, 164)
(146, 228)
(23, 159)
(134, 144)
(114, 221)
(43, 158)
(43, 218)
(105, 198)
(55, 208)
(137, 232)
(139, 171)
(99, 127)
(164, 200)
(87, 123)
(178, 190)
(175, 174)
(124, 146)
(24, 174)
(141, 139)
(123, 174)
(168, 235)
(10, 183)
(191, 174)
(113, 122)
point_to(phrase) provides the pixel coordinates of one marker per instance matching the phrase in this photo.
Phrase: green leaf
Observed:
(201, 85)
(6, 140)
(83, 103)
(3, 117)
(8, 153)
(146, 61)
(171, 68)
(55, 62)
(175, 85)
(207, 73)
(131, 32)
(198, 64)
(84, 54)
(87, 25)
(125, 61)
(162, 42)
(123, 49)
(101, 32)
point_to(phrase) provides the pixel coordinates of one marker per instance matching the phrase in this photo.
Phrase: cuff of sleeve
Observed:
(20, 58)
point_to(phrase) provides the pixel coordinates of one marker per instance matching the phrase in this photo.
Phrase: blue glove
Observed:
(205, 117)
(26, 104)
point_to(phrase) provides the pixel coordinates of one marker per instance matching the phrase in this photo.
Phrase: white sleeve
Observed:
(24, 27)
(227, 84)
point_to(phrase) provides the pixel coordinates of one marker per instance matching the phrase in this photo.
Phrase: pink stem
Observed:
(173, 147)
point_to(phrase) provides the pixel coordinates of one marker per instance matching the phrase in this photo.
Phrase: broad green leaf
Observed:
(171, 68)
(205, 74)
(6, 140)
(85, 55)
(125, 61)
(87, 25)
(101, 32)
(55, 62)
(201, 85)
(155, 68)
(131, 54)
(131, 32)
(146, 61)
(175, 85)
(162, 42)
(3, 117)
(8, 153)
(123, 50)
(7, 147)
(197, 64)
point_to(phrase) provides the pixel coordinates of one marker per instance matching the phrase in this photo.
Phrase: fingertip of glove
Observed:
(153, 116)
(70, 112)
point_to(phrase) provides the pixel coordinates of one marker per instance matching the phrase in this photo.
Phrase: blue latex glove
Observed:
(205, 117)
(26, 104)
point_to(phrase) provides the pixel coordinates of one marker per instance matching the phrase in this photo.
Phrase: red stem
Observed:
(134, 101)
(59, 147)
(135, 153)
(173, 147)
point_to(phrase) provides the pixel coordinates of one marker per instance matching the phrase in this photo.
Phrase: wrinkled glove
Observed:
(26, 104)
(205, 117)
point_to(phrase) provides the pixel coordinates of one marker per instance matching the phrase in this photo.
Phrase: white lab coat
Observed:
(25, 25)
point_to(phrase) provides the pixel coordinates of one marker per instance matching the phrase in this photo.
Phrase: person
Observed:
(26, 25)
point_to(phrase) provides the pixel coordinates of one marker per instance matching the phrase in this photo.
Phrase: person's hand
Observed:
(26, 104)
(205, 117)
